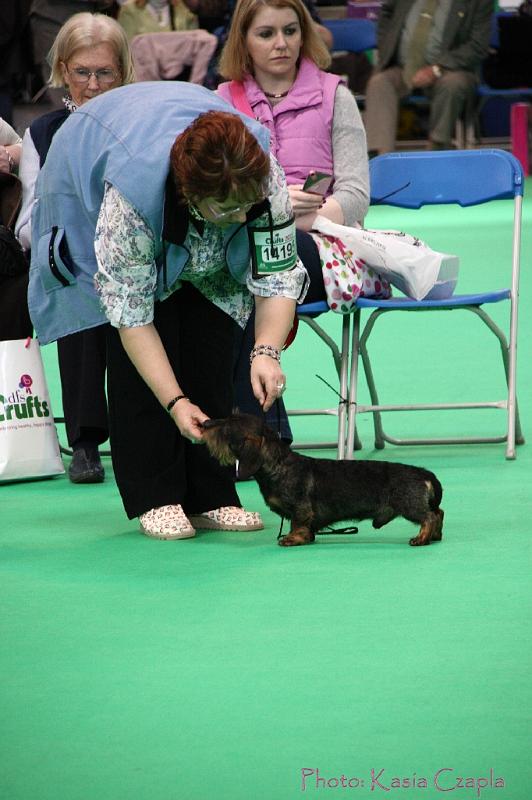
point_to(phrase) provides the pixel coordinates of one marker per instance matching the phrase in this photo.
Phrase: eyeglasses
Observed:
(230, 212)
(81, 76)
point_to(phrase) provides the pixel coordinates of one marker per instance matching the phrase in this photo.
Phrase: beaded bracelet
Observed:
(265, 350)
(174, 400)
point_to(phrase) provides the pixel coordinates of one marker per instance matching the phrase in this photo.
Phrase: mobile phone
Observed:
(317, 183)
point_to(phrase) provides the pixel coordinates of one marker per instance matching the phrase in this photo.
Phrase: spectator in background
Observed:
(155, 16)
(435, 47)
(216, 15)
(89, 56)
(46, 19)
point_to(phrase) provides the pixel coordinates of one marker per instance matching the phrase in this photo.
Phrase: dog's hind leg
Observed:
(384, 515)
(437, 532)
(429, 530)
(299, 534)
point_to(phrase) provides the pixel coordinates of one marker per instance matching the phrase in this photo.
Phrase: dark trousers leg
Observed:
(245, 401)
(82, 364)
(154, 465)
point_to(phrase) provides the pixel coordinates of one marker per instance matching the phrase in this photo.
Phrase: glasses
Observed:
(231, 211)
(81, 76)
(244, 207)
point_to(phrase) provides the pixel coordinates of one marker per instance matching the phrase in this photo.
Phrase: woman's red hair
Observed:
(217, 156)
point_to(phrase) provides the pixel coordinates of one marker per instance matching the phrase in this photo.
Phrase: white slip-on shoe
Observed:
(166, 522)
(228, 518)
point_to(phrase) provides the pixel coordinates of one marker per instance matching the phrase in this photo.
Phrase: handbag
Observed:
(29, 447)
(399, 258)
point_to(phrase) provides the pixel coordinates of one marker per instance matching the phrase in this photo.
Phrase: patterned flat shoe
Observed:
(166, 522)
(228, 518)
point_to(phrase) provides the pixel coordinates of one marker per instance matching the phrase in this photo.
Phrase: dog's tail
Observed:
(435, 491)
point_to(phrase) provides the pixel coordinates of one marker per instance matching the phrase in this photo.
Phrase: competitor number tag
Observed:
(273, 249)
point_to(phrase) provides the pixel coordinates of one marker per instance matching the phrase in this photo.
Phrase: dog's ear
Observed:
(250, 457)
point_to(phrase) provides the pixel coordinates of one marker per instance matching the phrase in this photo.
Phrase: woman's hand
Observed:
(268, 381)
(304, 202)
(189, 419)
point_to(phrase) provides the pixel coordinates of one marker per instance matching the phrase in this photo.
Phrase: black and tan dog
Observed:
(315, 492)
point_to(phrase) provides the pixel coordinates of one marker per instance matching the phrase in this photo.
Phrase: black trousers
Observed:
(82, 363)
(154, 465)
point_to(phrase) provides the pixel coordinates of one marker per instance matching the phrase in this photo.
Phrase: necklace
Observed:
(277, 96)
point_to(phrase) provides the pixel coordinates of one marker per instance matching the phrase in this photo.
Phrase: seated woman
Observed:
(276, 62)
(90, 56)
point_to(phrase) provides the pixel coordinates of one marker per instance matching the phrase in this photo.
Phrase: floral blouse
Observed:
(127, 275)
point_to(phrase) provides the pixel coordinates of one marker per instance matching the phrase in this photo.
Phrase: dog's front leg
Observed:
(299, 534)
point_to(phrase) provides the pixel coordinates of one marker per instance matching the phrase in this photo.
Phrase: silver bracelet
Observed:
(265, 350)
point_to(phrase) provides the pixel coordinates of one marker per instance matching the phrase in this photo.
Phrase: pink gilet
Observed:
(301, 124)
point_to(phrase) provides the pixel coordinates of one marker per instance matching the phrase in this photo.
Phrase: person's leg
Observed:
(383, 93)
(449, 97)
(206, 363)
(82, 364)
(155, 467)
(147, 449)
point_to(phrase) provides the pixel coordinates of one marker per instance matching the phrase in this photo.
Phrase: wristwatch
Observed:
(437, 70)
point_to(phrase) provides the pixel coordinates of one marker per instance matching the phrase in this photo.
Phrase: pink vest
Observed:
(301, 124)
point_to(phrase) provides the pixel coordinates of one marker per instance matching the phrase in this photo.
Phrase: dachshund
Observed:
(315, 492)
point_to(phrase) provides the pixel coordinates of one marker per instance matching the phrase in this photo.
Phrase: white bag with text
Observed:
(29, 447)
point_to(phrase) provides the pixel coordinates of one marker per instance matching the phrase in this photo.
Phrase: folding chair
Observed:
(307, 313)
(412, 180)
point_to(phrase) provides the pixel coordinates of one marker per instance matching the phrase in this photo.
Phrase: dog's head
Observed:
(237, 439)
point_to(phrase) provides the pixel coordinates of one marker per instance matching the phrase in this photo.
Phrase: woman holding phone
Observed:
(274, 62)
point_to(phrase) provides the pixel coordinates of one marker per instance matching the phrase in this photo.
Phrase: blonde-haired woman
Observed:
(90, 55)
(275, 63)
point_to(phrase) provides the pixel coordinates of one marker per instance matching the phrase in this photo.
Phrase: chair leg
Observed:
(342, 405)
(515, 433)
(353, 442)
(368, 372)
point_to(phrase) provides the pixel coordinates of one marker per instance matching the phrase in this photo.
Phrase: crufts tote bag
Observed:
(28, 440)
(399, 258)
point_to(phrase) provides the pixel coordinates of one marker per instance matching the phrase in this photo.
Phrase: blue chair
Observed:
(465, 177)
(352, 35)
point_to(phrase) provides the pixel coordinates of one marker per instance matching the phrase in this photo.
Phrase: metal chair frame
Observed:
(467, 177)
(307, 313)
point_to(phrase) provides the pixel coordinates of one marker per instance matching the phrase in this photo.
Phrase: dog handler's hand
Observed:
(268, 381)
(189, 418)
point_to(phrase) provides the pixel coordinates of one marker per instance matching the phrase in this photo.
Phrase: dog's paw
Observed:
(419, 541)
(294, 540)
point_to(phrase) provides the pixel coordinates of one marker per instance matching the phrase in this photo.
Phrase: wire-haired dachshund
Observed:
(315, 492)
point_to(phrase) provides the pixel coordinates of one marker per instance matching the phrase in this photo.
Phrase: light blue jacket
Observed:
(122, 137)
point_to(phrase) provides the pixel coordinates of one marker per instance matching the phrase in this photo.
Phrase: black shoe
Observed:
(86, 466)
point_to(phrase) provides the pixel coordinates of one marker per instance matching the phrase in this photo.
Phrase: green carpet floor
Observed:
(226, 668)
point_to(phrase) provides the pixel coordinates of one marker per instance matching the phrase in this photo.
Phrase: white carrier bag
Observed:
(405, 261)
(29, 447)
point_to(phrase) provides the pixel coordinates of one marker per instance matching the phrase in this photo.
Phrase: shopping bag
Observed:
(404, 260)
(29, 447)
